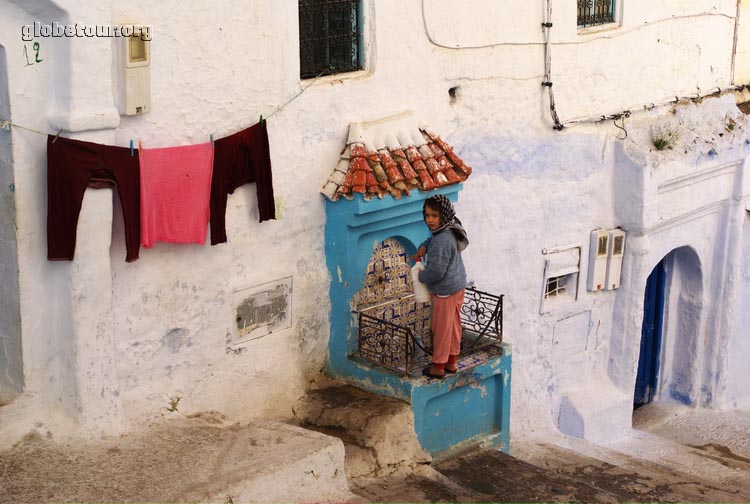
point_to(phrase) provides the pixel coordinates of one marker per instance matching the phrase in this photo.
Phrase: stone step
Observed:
(377, 431)
(196, 459)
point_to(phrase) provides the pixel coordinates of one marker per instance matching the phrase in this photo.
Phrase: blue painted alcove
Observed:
(470, 406)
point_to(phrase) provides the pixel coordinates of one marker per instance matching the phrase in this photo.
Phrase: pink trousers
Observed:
(446, 326)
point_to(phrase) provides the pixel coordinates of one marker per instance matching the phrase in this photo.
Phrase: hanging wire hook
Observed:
(614, 121)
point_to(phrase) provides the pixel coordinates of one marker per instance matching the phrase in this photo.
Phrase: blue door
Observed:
(648, 361)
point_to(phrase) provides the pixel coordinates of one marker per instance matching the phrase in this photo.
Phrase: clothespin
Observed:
(58, 134)
(212, 139)
(131, 148)
(140, 145)
(261, 119)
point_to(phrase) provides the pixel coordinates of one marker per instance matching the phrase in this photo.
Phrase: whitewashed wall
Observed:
(109, 343)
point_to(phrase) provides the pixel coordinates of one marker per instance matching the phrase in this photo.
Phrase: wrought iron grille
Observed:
(385, 343)
(396, 333)
(330, 37)
(482, 315)
(595, 12)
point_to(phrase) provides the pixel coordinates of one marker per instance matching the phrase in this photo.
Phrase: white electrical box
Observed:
(614, 261)
(135, 79)
(598, 253)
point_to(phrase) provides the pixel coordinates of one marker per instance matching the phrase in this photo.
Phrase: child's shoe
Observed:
(433, 372)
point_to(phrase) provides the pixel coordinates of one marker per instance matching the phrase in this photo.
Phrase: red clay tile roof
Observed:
(393, 156)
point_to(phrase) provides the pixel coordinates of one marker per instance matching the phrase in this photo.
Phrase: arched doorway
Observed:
(671, 354)
(651, 337)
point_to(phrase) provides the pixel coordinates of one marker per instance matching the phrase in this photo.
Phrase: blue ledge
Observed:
(471, 406)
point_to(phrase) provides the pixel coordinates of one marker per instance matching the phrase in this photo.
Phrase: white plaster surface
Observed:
(602, 420)
(107, 344)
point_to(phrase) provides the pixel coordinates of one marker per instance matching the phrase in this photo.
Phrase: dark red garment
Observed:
(239, 159)
(73, 165)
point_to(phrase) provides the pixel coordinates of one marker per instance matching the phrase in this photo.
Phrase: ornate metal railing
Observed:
(385, 343)
(482, 316)
(595, 12)
(396, 334)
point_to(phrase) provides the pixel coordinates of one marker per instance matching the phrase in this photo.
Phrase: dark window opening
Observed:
(330, 37)
(555, 286)
(595, 12)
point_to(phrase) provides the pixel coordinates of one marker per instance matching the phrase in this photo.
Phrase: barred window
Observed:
(595, 12)
(330, 37)
(556, 285)
(561, 268)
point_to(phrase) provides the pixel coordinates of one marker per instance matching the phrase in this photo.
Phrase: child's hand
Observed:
(421, 251)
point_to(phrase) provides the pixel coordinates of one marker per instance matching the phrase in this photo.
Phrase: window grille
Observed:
(555, 286)
(561, 270)
(330, 37)
(595, 12)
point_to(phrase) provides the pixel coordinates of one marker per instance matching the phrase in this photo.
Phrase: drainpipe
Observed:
(734, 42)
(547, 82)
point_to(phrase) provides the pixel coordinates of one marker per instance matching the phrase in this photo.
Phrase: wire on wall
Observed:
(6, 124)
(586, 40)
(734, 41)
(718, 91)
(547, 82)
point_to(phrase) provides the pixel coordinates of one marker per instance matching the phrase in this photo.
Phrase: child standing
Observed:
(445, 277)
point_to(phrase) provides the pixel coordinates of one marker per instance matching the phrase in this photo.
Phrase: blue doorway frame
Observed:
(653, 318)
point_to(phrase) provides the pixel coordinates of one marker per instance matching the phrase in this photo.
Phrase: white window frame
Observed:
(562, 265)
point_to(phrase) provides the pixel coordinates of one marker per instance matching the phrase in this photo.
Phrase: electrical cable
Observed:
(6, 124)
(626, 113)
(619, 33)
(547, 82)
(547, 79)
(734, 42)
(621, 116)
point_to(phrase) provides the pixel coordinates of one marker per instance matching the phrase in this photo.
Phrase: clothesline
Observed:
(167, 194)
(6, 124)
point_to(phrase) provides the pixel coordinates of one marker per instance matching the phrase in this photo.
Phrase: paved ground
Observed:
(492, 476)
(676, 454)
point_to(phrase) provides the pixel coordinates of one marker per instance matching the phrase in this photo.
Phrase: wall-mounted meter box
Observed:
(598, 253)
(614, 262)
(134, 86)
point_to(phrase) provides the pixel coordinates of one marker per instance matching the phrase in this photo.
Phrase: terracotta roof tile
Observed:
(393, 156)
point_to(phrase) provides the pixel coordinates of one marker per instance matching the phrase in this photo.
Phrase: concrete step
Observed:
(377, 431)
(195, 459)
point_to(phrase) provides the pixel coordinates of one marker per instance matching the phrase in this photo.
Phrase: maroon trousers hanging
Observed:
(73, 165)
